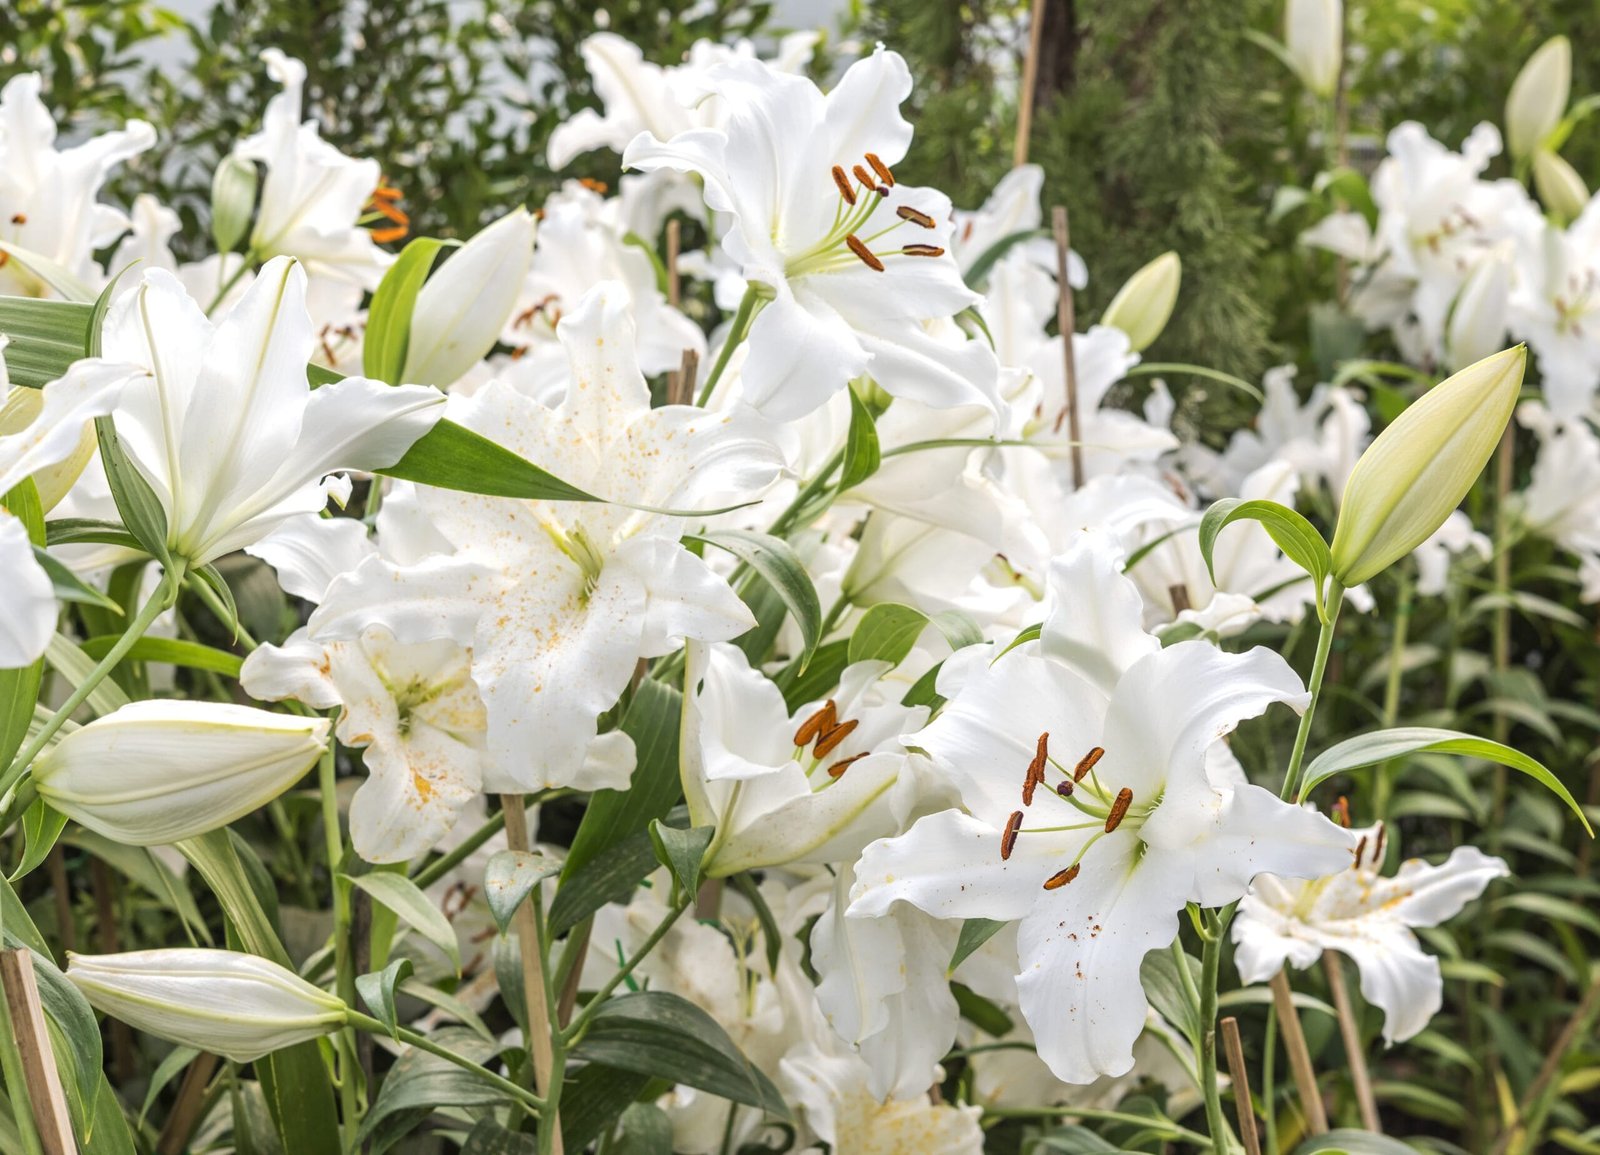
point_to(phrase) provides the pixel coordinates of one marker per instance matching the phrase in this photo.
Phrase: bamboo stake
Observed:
(1354, 1053)
(43, 1082)
(1244, 1106)
(1030, 81)
(675, 388)
(1294, 1043)
(1067, 322)
(185, 1115)
(681, 381)
(530, 948)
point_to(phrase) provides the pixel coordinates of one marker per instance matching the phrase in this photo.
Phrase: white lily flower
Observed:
(47, 197)
(1093, 812)
(559, 600)
(461, 309)
(1367, 917)
(1012, 207)
(1313, 37)
(842, 1113)
(163, 770)
(1434, 556)
(220, 420)
(1562, 500)
(236, 1005)
(1555, 307)
(816, 786)
(313, 197)
(49, 430)
(850, 264)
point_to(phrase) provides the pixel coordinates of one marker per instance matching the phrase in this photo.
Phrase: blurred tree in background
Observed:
(1162, 123)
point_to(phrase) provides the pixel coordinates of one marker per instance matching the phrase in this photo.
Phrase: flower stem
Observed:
(344, 973)
(160, 601)
(1222, 1137)
(1384, 783)
(576, 1029)
(543, 1044)
(1171, 1130)
(736, 336)
(412, 1038)
(1319, 667)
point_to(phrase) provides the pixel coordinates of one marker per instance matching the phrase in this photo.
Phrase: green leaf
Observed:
(218, 584)
(644, 1129)
(137, 504)
(1024, 636)
(400, 894)
(419, 1083)
(612, 815)
(173, 651)
(74, 1032)
(980, 1012)
(682, 852)
(1344, 1142)
(509, 877)
(1382, 745)
(61, 279)
(661, 1034)
(595, 1096)
(75, 666)
(68, 586)
(41, 826)
(861, 453)
(775, 561)
(388, 334)
(745, 883)
(75, 530)
(818, 679)
(168, 1069)
(488, 1137)
(451, 456)
(611, 877)
(46, 338)
(978, 271)
(1164, 987)
(141, 866)
(19, 688)
(887, 633)
(377, 991)
(1293, 534)
(974, 933)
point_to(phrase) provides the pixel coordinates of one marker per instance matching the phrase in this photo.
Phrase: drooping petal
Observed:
(309, 551)
(1095, 624)
(90, 389)
(439, 597)
(28, 610)
(686, 597)
(1399, 979)
(1424, 895)
(298, 669)
(415, 790)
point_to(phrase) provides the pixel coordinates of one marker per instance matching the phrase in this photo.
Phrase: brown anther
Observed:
(1361, 849)
(845, 188)
(1036, 769)
(1377, 847)
(865, 178)
(391, 211)
(1119, 808)
(19, 218)
(384, 236)
(915, 216)
(818, 724)
(1008, 840)
(594, 186)
(922, 251)
(886, 176)
(1086, 763)
(386, 192)
(838, 768)
(860, 249)
(1064, 788)
(1061, 877)
(1341, 811)
(830, 741)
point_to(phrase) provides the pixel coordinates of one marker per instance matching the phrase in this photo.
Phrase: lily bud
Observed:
(1419, 468)
(233, 201)
(1538, 97)
(1143, 306)
(1478, 318)
(236, 1005)
(1561, 190)
(20, 409)
(160, 771)
(463, 308)
(1314, 40)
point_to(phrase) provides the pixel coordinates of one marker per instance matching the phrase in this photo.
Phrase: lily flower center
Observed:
(859, 191)
(581, 549)
(1575, 302)
(823, 731)
(384, 205)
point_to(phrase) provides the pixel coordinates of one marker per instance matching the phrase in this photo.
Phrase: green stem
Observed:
(1269, 1054)
(209, 596)
(160, 601)
(1384, 783)
(1172, 1130)
(736, 336)
(245, 264)
(575, 1031)
(1222, 1138)
(344, 972)
(550, 1139)
(524, 1096)
(1319, 667)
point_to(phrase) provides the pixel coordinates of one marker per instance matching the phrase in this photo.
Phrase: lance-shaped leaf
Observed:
(776, 563)
(510, 877)
(1293, 534)
(377, 990)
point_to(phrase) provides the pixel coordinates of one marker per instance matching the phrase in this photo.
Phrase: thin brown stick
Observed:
(105, 913)
(51, 1118)
(1179, 593)
(674, 294)
(1030, 81)
(61, 890)
(681, 381)
(1355, 1054)
(708, 902)
(579, 940)
(1294, 1043)
(1067, 322)
(1576, 1025)
(1244, 1105)
(530, 948)
(186, 1108)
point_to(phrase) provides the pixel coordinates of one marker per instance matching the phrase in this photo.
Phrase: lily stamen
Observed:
(838, 768)
(1361, 849)
(1064, 788)
(1008, 839)
(922, 251)
(822, 721)
(1036, 769)
(860, 249)
(1377, 847)
(883, 171)
(846, 190)
(1119, 809)
(1061, 877)
(866, 180)
(1087, 763)
(830, 740)
(915, 216)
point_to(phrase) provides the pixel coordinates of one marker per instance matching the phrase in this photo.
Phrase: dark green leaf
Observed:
(377, 991)
(1164, 987)
(68, 586)
(46, 337)
(173, 651)
(974, 933)
(137, 504)
(682, 852)
(41, 826)
(775, 561)
(401, 895)
(610, 877)
(488, 1137)
(643, 1130)
(861, 453)
(509, 877)
(594, 1097)
(887, 633)
(383, 348)
(980, 1012)
(419, 1082)
(451, 456)
(1293, 534)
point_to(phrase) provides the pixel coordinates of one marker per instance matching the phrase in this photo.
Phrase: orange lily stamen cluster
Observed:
(384, 203)
(823, 732)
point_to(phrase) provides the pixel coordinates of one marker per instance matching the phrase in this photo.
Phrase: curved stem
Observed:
(524, 1096)
(1319, 667)
(736, 336)
(160, 601)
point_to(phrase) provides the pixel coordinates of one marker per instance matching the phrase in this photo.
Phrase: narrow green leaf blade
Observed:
(383, 349)
(377, 991)
(775, 561)
(400, 894)
(862, 454)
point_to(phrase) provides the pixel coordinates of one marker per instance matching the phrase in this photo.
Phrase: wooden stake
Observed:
(185, 1115)
(50, 1115)
(1244, 1106)
(1030, 81)
(681, 381)
(674, 292)
(1067, 322)
(105, 913)
(530, 948)
(1355, 1054)
(1294, 1042)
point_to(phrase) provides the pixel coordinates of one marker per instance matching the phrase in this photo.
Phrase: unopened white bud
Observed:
(1143, 306)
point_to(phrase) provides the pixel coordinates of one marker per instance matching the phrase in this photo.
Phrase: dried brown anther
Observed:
(843, 181)
(1061, 877)
(1008, 839)
(1087, 762)
(859, 248)
(838, 768)
(884, 174)
(1119, 809)
(830, 740)
(922, 251)
(818, 724)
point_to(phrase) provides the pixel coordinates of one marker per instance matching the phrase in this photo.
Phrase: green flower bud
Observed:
(1538, 97)
(1561, 189)
(1143, 306)
(1418, 470)
(233, 202)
